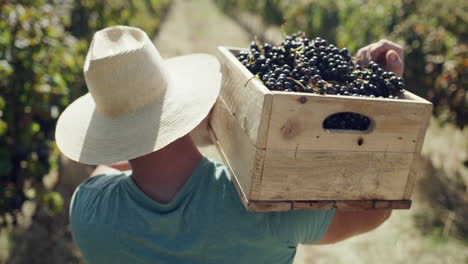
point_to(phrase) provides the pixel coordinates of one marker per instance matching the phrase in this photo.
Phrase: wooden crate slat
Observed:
(296, 122)
(234, 178)
(266, 206)
(247, 99)
(354, 205)
(332, 175)
(269, 206)
(240, 153)
(412, 176)
(415, 165)
(402, 204)
(313, 205)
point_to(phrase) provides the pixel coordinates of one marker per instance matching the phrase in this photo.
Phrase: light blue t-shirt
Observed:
(113, 221)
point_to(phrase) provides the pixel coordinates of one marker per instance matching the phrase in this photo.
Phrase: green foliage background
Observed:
(43, 44)
(434, 34)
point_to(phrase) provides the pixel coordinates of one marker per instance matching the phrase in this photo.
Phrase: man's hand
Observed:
(387, 54)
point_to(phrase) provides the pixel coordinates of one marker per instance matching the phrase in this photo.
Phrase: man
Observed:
(174, 205)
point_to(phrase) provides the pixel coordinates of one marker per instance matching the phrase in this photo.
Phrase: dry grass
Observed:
(447, 149)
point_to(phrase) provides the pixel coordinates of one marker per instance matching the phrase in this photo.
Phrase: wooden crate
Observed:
(281, 157)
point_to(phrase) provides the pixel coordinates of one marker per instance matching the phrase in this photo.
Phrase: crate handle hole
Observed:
(348, 122)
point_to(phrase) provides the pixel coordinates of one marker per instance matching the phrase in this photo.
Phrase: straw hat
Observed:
(137, 102)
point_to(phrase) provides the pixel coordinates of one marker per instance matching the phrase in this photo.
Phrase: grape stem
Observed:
(298, 49)
(297, 82)
(256, 76)
(258, 42)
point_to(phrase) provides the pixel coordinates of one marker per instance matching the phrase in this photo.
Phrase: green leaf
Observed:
(35, 127)
(5, 68)
(3, 127)
(59, 80)
(53, 203)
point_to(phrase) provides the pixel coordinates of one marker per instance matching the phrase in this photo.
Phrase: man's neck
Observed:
(161, 174)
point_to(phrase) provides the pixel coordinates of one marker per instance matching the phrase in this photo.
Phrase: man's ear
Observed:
(208, 117)
(205, 123)
(201, 133)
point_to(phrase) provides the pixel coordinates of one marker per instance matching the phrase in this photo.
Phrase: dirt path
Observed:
(197, 26)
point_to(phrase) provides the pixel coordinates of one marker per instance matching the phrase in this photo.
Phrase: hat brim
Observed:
(86, 136)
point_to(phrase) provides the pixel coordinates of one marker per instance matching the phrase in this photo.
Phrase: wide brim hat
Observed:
(137, 103)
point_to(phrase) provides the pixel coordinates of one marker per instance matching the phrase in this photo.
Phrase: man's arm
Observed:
(346, 224)
(112, 168)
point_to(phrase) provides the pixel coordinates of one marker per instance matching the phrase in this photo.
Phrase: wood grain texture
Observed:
(359, 205)
(224, 160)
(416, 164)
(402, 204)
(257, 176)
(354, 205)
(269, 206)
(333, 175)
(313, 205)
(247, 98)
(296, 122)
(245, 161)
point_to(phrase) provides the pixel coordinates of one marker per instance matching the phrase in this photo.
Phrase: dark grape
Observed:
(307, 60)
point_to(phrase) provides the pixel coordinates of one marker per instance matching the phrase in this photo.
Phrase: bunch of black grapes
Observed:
(299, 64)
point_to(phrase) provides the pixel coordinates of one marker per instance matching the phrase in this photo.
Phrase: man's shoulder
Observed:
(93, 199)
(103, 181)
(94, 189)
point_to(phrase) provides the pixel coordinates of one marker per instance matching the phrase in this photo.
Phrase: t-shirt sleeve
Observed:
(300, 227)
(85, 206)
(90, 208)
(85, 194)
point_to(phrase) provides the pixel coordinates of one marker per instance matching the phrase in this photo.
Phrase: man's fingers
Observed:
(394, 63)
(380, 48)
(387, 54)
(362, 57)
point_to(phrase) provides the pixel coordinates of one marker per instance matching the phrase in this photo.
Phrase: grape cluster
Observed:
(299, 64)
